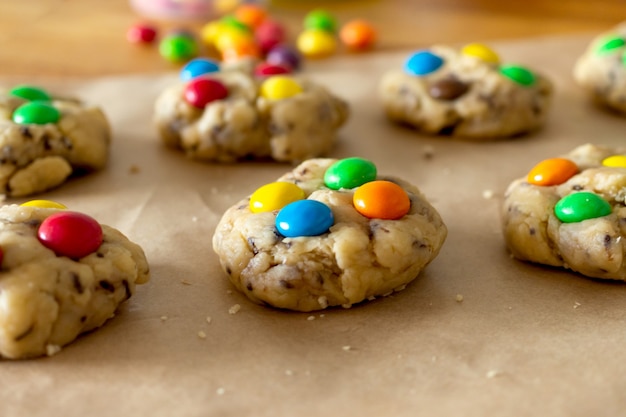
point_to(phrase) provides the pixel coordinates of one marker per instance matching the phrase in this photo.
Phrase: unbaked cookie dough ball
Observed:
(329, 233)
(44, 139)
(466, 93)
(570, 212)
(601, 70)
(233, 115)
(62, 274)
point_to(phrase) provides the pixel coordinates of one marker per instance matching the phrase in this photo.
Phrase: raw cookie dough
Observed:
(569, 212)
(357, 258)
(47, 300)
(601, 70)
(36, 156)
(244, 124)
(467, 93)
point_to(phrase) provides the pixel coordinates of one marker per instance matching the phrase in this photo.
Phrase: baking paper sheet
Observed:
(476, 334)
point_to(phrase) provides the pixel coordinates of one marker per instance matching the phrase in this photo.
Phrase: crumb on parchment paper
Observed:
(234, 309)
(459, 298)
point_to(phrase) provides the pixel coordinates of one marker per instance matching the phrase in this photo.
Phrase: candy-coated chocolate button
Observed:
(202, 90)
(197, 67)
(232, 38)
(358, 35)
(449, 88)
(381, 200)
(269, 34)
(553, 171)
(316, 43)
(231, 21)
(320, 20)
(44, 204)
(36, 112)
(482, 52)
(242, 50)
(518, 74)
(274, 196)
(349, 173)
(210, 32)
(279, 87)
(423, 63)
(251, 15)
(284, 55)
(304, 218)
(30, 93)
(581, 206)
(141, 33)
(615, 161)
(610, 44)
(265, 69)
(70, 234)
(178, 48)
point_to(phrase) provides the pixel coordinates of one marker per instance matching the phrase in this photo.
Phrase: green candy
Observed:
(36, 112)
(178, 48)
(233, 22)
(610, 44)
(581, 206)
(320, 19)
(30, 93)
(349, 173)
(518, 74)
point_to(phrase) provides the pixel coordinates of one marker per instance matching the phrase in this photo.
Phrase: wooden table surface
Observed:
(87, 37)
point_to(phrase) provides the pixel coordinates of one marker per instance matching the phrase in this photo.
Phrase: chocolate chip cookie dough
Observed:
(329, 233)
(62, 274)
(468, 93)
(601, 70)
(45, 139)
(230, 115)
(570, 212)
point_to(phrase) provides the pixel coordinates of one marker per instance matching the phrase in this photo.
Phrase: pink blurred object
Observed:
(174, 9)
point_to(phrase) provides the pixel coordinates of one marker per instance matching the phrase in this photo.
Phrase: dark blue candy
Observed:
(304, 218)
(423, 63)
(197, 67)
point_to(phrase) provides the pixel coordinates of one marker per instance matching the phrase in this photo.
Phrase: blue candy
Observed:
(423, 63)
(304, 218)
(197, 67)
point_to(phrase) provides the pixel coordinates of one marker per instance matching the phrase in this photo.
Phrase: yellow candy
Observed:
(43, 204)
(279, 87)
(615, 161)
(482, 52)
(229, 37)
(316, 43)
(210, 32)
(275, 196)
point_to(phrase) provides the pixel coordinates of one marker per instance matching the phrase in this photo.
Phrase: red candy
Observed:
(141, 33)
(70, 234)
(265, 69)
(202, 90)
(269, 34)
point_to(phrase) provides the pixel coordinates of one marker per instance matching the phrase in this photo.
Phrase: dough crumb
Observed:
(322, 301)
(194, 219)
(134, 169)
(220, 391)
(428, 152)
(201, 335)
(488, 194)
(208, 319)
(371, 298)
(322, 316)
(459, 298)
(185, 282)
(577, 304)
(310, 318)
(288, 372)
(493, 373)
(346, 305)
(52, 350)
(164, 318)
(346, 348)
(234, 309)
(229, 292)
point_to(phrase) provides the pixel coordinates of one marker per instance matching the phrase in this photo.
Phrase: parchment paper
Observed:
(524, 339)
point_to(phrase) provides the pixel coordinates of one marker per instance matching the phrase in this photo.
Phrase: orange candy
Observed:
(358, 35)
(552, 171)
(241, 51)
(250, 14)
(381, 200)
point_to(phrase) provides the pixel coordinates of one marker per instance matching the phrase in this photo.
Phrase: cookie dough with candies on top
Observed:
(329, 233)
(601, 70)
(229, 115)
(468, 93)
(45, 139)
(61, 274)
(570, 212)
